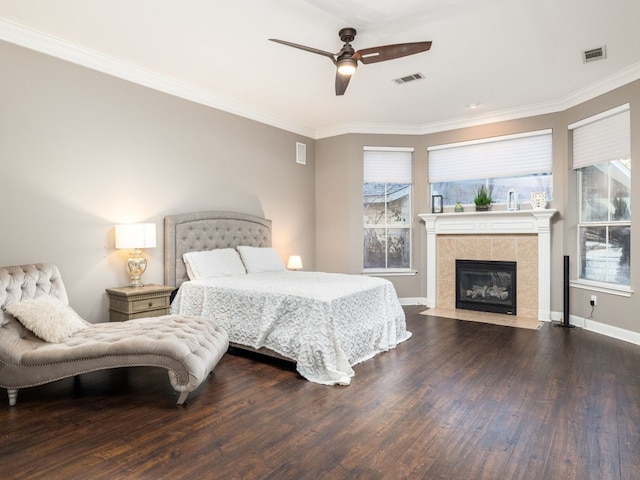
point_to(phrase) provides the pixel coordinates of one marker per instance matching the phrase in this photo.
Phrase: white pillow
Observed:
(261, 259)
(222, 262)
(47, 317)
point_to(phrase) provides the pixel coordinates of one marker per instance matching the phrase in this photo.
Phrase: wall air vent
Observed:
(409, 78)
(594, 54)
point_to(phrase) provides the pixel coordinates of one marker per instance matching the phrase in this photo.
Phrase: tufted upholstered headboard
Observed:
(198, 231)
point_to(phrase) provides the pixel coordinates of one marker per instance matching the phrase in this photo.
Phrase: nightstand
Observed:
(126, 303)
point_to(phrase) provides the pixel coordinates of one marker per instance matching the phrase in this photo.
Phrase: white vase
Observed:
(538, 200)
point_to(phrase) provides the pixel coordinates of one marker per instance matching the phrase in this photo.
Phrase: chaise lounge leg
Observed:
(13, 396)
(182, 398)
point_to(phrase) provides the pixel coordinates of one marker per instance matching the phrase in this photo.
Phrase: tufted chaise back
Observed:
(29, 281)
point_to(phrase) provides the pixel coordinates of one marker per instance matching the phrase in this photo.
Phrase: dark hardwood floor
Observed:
(459, 400)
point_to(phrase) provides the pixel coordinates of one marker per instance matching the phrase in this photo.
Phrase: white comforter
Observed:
(325, 322)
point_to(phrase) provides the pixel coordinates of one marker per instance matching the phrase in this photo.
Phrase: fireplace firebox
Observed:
(486, 286)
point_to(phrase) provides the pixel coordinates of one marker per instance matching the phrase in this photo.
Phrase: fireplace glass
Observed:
(486, 286)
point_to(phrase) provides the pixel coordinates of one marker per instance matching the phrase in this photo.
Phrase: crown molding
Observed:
(607, 84)
(55, 47)
(443, 126)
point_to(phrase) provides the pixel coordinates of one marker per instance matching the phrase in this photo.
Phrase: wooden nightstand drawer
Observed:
(149, 304)
(126, 303)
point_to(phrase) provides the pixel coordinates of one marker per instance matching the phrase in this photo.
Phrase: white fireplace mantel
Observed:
(493, 223)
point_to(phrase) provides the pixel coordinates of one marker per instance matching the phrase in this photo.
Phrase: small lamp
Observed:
(295, 262)
(347, 66)
(135, 236)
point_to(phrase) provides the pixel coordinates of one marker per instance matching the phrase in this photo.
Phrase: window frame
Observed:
(607, 224)
(580, 163)
(522, 157)
(390, 271)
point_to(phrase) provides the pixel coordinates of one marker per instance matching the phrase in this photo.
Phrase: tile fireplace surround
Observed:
(523, 236)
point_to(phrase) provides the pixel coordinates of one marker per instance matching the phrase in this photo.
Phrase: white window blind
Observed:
(506, 156)
(602, 138)
(382, 165)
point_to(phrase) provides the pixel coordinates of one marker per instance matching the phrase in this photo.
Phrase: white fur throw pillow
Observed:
(47, 317)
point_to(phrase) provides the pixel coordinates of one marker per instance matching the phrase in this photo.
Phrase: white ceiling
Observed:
(513, 57)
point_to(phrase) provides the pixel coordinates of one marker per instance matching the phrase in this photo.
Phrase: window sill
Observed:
(620, 290)
(389, 272)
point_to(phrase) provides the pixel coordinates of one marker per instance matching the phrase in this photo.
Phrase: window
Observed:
(602, 160)
(387, 208)
(522, 162)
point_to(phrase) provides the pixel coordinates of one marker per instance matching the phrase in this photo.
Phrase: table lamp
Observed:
(135, 236)
(295, 262)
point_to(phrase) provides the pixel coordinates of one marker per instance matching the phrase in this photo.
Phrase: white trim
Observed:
(599, 116)
(536, 133)
(604, 329)
(34, 40)
(621, 290)
(616, 80)
(556, 316)
(365, 128)
(49, 45)
(301, 153)
(592, 326)
(388, 149)
(389, 273)
(413, 301)
(611, 331)
(488, 223)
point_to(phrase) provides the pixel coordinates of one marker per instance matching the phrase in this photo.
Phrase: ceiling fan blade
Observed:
(389, 52)
(305, 48)
(342, 82)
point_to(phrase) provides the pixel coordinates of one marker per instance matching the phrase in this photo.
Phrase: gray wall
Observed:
(339, 213)
(81, 151)
(613, 310)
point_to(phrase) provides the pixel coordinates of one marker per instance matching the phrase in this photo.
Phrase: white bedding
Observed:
(325, 322)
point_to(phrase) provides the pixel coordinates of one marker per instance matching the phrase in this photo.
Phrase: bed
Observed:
(323, 322)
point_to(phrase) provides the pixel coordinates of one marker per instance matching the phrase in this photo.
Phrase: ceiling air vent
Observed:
(409, 78)
(594, 54)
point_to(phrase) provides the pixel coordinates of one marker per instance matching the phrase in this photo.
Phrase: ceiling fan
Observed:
(346, 60)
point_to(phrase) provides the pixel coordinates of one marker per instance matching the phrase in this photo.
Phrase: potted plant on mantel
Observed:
(483, 199)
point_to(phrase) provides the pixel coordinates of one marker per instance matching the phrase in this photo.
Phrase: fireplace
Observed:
(472, 232)
(486, 286)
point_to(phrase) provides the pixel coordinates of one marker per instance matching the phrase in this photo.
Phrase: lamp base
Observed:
(136, 265)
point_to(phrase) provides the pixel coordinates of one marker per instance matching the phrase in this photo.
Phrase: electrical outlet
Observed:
(594, 301)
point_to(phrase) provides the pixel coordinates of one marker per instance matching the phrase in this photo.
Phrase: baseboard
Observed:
(598, 327)
(413, 301)
(555, 316)
(604, 329)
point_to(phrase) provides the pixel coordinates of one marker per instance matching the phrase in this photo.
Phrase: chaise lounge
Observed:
(188, 347)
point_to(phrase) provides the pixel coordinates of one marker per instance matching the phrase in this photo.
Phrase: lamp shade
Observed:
(136, 235)
(295, 262)
(347, 66)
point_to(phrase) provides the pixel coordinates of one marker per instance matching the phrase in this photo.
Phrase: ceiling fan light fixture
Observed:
(347, 66)
(346, 60)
